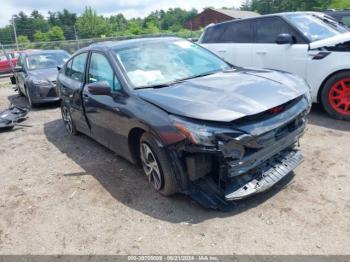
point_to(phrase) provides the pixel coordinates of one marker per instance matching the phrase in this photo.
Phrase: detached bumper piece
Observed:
(11, 117)
(271, 173)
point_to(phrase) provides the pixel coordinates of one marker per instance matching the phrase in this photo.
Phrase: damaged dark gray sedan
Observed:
(197, 124)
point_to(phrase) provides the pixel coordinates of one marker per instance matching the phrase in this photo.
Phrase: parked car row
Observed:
(311, 45)
(199, 122)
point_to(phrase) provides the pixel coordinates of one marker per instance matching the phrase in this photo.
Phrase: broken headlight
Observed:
(202, 134)
(40, 82)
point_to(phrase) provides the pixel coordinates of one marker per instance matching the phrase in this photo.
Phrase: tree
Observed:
(23, 25)
(275, 6)
(22, 39)
(67, 21)
(134, 27)
(55, 34)
(151, 28)
(174, 18)
(340, 4)
(38, 22)
(7, 35)
(89, 24)
(118, 23)
(40, 37)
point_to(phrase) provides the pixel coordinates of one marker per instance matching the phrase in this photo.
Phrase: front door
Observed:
(268, 54)
(103, 112)
(20, 76)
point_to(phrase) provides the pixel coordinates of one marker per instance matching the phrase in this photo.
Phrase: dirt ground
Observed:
(69, 195)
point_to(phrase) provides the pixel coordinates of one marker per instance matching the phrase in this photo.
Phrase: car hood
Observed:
(331, 41)
(49, 74)
(227, 96)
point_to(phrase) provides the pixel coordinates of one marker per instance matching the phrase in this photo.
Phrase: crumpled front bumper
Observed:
(271, 173)
(43, 94)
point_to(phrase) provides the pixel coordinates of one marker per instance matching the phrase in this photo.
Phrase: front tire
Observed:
(156, 166)
(68, 120)
(335, 96)
(30, 101)
(19, 90)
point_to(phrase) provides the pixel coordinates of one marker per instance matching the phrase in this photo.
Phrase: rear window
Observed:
(213, 34)
(236, 32)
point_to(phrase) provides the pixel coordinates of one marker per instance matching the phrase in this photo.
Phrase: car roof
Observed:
(40, 52)
(270, 15)
(345, 11)
(115, 45)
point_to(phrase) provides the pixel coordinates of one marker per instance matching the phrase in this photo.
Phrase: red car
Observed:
(5, 66)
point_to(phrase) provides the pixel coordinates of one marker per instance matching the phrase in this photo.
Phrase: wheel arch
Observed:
(326, 79)
(134, 137)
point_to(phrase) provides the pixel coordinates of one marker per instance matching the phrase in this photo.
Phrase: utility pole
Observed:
(14, 31)
(76, 37)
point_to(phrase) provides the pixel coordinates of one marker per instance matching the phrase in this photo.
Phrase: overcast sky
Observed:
(130, 8)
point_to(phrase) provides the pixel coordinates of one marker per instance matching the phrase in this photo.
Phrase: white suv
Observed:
(311, 45)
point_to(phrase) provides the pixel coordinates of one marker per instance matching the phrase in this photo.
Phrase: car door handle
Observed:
(85, 97)
(261, 52)
(222, 51)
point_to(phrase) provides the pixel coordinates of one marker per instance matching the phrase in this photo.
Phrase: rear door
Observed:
(231, 41)
(71, 81)
(268, 54)
(103, 112)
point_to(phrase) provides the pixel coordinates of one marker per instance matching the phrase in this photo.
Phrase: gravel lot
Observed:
(69, 195)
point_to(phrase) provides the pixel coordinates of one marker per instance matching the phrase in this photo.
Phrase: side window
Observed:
(268, 29)
(78, 67)
(20, 61)
(68, 71)
(101, 70)
(237, 32)
(214, 33)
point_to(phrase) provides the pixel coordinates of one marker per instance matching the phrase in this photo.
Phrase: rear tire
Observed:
(335, 96)
(156, 166)
(68, 120)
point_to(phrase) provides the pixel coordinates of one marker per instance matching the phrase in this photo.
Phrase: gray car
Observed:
(36, 73)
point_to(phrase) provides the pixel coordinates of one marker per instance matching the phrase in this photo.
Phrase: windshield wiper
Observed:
(178, 80)
(330, 22)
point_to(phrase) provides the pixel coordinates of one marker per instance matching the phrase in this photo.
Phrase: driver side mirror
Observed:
(18, 69)
(283, 39)
(100, 88)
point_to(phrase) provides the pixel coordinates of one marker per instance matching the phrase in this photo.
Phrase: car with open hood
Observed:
(197, 124)
(309, 44)
(36, 72)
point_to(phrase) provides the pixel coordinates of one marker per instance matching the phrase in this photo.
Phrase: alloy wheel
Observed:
(150, 166)
(67, 119)
(339, 96)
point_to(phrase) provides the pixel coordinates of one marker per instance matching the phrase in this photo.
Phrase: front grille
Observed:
(269, 113)
(52, 93)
